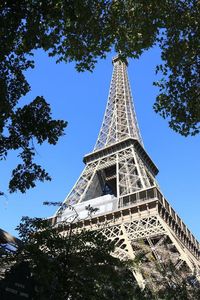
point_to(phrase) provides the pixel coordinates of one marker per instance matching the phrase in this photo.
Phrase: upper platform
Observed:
(110, 149)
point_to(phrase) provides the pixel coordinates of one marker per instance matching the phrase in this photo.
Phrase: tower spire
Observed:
(119, 165)
(119, 181)
(120, 120)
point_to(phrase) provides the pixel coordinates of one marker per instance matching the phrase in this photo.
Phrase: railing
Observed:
(137, 197)
(151, 194)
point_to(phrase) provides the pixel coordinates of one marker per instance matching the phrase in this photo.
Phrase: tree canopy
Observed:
(69, 266)
(63, 263)
(83, 31)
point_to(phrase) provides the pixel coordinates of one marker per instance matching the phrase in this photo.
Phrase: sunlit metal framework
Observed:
(143, 220)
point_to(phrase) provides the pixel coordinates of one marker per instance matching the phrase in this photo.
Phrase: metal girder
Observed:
(120, 119)
(142, 220)
(150, 235)
(130, 175)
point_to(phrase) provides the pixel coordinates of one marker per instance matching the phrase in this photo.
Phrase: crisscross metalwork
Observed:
(119, 177)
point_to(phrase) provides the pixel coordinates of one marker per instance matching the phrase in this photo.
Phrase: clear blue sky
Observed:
(80, 98)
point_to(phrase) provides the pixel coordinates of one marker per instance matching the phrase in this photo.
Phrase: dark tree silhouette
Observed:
(83, 31)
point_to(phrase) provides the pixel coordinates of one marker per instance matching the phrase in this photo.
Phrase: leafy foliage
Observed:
(72, 266)
(175, 286)
(82, 31)
(179, 98)
(80, 265)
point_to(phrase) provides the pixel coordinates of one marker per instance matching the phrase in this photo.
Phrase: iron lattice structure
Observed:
(119, 179)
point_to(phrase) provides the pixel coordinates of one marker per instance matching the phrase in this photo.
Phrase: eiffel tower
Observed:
(119, 181)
